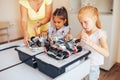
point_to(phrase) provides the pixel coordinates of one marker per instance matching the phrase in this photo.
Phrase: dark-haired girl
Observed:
(60, 26)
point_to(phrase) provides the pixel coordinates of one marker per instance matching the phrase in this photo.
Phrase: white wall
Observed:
(75, 5)
(117, 26)
(60, 3)
(118, 53)
(104, 5)
(115, 30)
(107, 25)
(118, 56)
(75, 24)
(9, 11)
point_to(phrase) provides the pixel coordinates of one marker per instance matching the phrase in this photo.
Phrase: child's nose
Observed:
(56, 24)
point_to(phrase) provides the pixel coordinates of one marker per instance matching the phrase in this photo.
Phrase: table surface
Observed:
(20, 72)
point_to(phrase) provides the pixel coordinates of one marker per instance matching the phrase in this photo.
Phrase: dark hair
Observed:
(63, 13)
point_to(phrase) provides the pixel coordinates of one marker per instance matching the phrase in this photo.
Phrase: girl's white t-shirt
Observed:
(61, 33)
(95, 57)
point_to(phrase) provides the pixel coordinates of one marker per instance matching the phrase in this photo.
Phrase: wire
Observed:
(9, 47)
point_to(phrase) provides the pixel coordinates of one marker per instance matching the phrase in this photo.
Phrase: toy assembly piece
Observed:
(64, 49)
(56, 48)
(38, 42)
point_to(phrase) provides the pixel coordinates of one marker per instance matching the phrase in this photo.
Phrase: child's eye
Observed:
(58, 22)
(54, 22)
(85, 22)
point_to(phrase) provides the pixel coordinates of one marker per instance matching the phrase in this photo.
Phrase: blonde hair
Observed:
(90, 11)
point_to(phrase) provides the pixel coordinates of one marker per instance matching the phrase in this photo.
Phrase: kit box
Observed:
(54, 68)
(27, 55)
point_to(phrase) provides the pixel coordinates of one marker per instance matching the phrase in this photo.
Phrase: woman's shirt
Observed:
(34, 17)
(95, 57)
(61, 33)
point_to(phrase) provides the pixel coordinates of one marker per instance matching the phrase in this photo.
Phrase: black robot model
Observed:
(39, 42)
(56, 48)
(63, 49)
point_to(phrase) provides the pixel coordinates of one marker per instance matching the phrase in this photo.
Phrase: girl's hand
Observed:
(86, 39)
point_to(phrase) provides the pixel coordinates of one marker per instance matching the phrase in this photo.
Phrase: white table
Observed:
(24, 72)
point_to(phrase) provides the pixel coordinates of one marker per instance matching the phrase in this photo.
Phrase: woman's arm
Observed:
(48, 13)
(23, 23)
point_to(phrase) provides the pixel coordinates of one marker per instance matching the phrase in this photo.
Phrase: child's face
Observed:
(58, 22)
(87, 23)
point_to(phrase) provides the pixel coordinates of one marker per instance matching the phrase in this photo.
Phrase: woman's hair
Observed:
(62, 13)
(90, 11)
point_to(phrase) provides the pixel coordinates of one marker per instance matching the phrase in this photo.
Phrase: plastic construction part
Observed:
(38, 42)
(64, 49)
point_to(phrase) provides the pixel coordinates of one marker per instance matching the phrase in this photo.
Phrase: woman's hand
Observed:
(26, 38)
(38, 24)
(44, 33)
(36, 28)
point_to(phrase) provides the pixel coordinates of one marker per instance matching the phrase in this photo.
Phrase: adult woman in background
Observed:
(35, 17)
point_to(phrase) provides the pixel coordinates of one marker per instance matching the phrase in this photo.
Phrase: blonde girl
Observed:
(93, 37)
